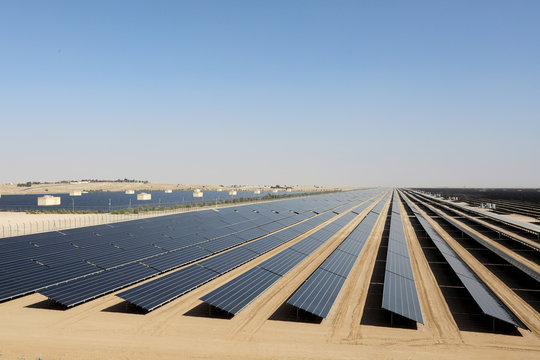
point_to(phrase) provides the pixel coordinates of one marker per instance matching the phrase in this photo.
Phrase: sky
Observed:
(343, 93)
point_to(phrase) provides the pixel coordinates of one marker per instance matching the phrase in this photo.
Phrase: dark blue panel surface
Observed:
(223, 243)
(283, 262)
(339, 263)
(125, 256)
(238, 293)
(229, 260)
(167, 288)
(399, 291)
(264, 245)
(78, 291)
(307, 245)
(177, 258)
(318, 293)
(486, 299)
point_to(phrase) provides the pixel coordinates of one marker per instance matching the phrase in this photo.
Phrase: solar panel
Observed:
(175, 259)
(339, 263)
(307, 245)
(286, 234)
(318, 293)
(229, 260)
(169, 287)
(251, 234)
(27, 282)
(264, 245)
(124, 257)
(501, 218)
(16, 269)
(486, 299)
(524, 268)
(232, 262)
(399, 291)
(237, 293)
(118, 244)
(400, 296)
(283, 262)
(223, 243)
(81, 290)
(399, 264)
(245, 288)
(271, 227)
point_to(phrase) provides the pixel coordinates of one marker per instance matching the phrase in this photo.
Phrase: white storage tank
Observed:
(130, 192)
(144, 196)
(168, 191)
(48, 200)
(257, 191)
(274, 190)
(289, 190)
(220, 189)
(75, 193)
(197, 193)
(233, 192)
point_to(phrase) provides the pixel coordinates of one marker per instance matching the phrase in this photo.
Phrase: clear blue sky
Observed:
(295, 92)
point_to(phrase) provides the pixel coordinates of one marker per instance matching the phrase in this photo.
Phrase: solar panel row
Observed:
(28, 262)
(485, 221)
(147, 298)
(319, 292)
(481, 293)
(526, 269)
(239, 292)
(90, 287)
(533, 228)
(167, 261)
(399, 291)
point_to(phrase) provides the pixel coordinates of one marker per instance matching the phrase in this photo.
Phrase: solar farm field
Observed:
(372, 273)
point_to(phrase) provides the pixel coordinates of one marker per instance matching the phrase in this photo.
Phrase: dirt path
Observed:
(346, 328)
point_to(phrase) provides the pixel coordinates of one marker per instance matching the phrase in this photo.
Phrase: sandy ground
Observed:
(114, 186)
(105, 328)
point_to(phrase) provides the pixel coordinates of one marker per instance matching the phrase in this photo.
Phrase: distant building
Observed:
(48, 200)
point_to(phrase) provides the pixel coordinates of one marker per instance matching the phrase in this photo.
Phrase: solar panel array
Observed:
(148, 296)
(459, 209)
(222, 263)
(399, 291)
(481, 293)
(233, 296)
(33, 262)
(319, 292)
(77, 265)
(526, 269)
(527, 226)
